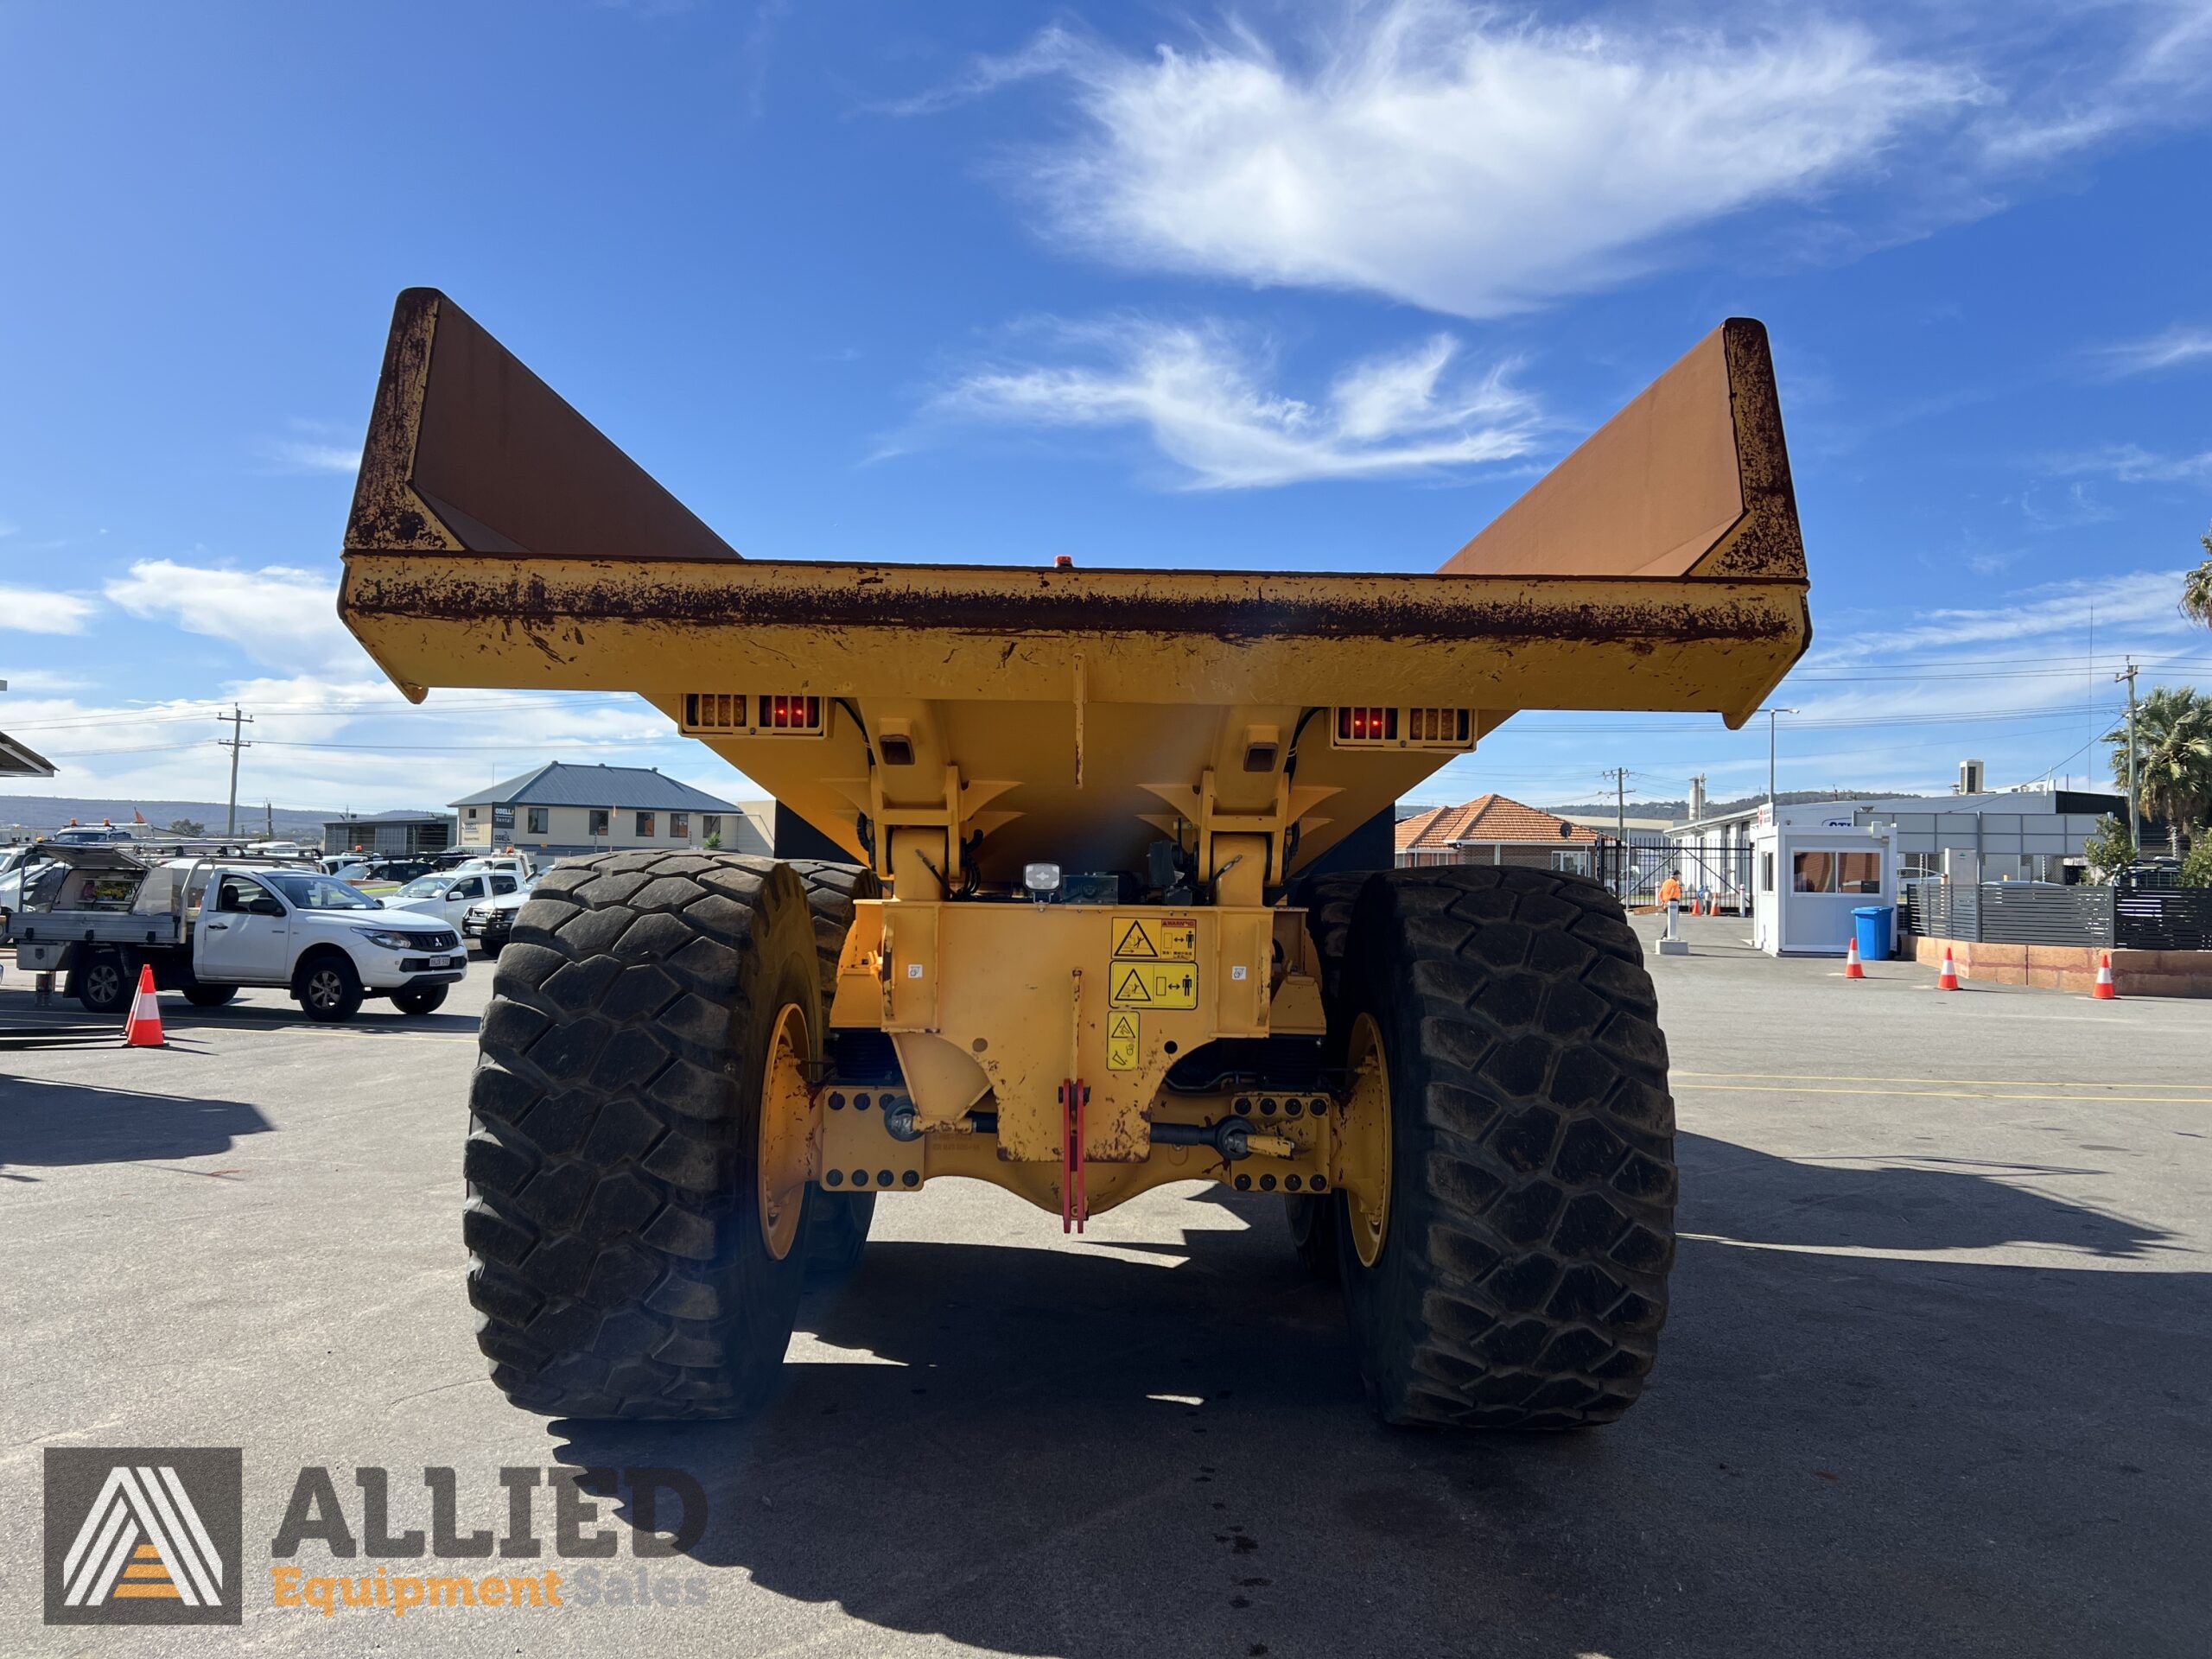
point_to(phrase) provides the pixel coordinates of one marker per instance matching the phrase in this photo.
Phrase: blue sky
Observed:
(1284, 287)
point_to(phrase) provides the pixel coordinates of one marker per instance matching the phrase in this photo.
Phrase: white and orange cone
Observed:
(144, 1029)
(2104, 991)
(1948, 979)
(1851, 965)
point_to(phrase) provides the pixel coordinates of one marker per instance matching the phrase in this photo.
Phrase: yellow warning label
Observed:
(1121, 1042)
(1153, 985)
(1156, 938)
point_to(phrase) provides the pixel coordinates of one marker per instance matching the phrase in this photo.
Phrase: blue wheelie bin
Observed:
(1872, 922)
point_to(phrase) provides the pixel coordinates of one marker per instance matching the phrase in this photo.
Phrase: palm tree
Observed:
(2197, 588)
(2173, 759)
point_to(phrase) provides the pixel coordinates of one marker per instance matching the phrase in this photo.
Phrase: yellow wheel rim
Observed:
(1363, 1153)
(786, 1133)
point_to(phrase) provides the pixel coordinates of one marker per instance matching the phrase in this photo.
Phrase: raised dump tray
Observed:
(497, 539)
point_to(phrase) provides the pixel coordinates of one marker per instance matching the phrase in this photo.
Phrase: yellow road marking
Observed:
(1953, 1094)
(1995, 1082)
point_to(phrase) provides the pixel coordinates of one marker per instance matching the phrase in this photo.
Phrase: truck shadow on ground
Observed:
(1901, 1203)
(1043, 1452)
(50, 1124)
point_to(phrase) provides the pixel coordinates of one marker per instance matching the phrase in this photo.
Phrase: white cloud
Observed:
(2133, 605)
(40, 610)
(1201, 397)
(1475, 161)
(2179, 345)
(1441, 155)
(1054, 50)
(345, 740)
(2160, 66)
(278, 615)
(2130, 463)
(307, 455)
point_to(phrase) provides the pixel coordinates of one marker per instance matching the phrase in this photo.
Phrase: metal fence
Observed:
(1636, 865)
(2163, 918)
(2026, 912)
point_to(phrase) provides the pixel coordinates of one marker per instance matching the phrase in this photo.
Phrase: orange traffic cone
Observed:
(2104, 992)
(1948, 979)
(144, 1027)
(1851, 968)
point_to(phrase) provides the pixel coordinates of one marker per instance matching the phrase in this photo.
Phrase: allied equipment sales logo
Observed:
(143, 1534)
(152, 1536)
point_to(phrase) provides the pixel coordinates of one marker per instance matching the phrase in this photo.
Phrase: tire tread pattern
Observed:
(1542, 1213)
(603, 1158)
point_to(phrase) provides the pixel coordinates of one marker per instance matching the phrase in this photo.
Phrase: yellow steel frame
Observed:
(976, 718)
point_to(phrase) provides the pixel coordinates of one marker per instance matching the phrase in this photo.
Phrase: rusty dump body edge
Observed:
(497, 539)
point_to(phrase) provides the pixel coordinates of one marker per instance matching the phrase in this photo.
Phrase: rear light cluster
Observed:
(1373, 728)
(1367, 725)
(730, 713)
(1438, 725)
(791, 713)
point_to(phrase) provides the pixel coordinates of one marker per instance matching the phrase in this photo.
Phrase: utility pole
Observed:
(2134, 815)
(1620, 777)
(234, 742)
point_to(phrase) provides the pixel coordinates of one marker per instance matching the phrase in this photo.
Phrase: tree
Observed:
(2108, 848)
(2197, 868)
(187, 827)
(712, 842)
(2196, 590)
(2173, 759)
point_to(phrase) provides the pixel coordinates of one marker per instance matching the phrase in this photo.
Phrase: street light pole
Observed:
(1771, 714)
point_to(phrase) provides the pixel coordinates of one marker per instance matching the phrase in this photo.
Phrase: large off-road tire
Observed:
(836, 1223)
(620, 1262)
(1327, 902)
(1521, 1279)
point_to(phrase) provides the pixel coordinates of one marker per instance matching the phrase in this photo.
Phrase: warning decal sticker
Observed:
(1153, 985)
(1121, 1042)
(1156, 938)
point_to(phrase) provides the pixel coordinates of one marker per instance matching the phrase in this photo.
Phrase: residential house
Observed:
(1492, 830)
(566, 809)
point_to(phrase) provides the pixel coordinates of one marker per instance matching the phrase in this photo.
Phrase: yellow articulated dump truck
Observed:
(1097, 896)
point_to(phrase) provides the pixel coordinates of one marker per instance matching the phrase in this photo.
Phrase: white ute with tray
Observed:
(209, 926)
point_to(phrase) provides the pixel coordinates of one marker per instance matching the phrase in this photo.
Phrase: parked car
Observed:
(206, 928)
(492, 922)
(17, 865)
(450, 894)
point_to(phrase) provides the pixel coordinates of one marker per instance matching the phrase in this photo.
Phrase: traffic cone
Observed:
(1948, 979)
(144, 1027)
(2104, 992)
(1851, 968)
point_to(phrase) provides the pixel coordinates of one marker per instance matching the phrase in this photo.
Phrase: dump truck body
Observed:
(1082, 798)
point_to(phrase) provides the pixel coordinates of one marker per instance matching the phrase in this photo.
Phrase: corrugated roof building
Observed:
(1492, 830)
(563, 808)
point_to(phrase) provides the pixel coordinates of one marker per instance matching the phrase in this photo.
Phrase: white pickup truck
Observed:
(208, 927)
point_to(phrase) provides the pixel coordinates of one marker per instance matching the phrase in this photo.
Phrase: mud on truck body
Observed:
(1113, 904)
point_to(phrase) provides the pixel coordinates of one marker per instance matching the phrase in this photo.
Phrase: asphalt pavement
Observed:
(1935, 1379)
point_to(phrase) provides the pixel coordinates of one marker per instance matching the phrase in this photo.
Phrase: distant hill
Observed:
(1679, 808)
(53, 811)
